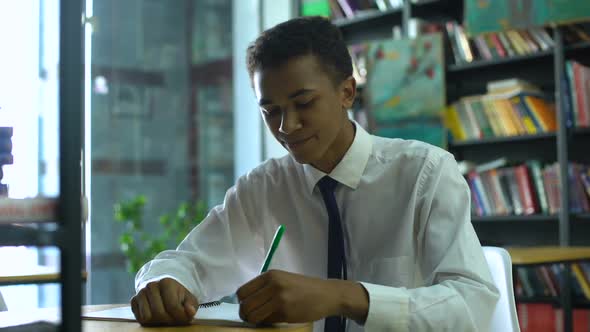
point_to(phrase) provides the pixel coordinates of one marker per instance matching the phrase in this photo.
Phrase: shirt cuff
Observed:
(389, 308)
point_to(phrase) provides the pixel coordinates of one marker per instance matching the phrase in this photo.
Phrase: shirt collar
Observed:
(350, 169)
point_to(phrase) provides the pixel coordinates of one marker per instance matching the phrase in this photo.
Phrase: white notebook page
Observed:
(224, 314)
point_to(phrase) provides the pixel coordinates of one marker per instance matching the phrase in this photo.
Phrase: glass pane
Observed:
(161, 125)
(29, 168)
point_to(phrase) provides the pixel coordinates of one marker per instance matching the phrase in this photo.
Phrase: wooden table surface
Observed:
(11, 318)
(540, 255)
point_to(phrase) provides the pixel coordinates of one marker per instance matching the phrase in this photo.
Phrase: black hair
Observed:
(313, 35)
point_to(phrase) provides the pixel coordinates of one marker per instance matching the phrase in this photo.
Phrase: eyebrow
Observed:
(295, 94)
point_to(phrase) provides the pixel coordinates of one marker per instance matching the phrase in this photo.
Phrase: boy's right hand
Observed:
(164, 302)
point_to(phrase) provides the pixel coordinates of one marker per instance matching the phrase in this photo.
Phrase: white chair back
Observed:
(505, 318)
(2, 304)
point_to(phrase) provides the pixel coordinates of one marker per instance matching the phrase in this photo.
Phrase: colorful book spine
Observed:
(6, 159)
(480, 192)
(572, 92)
(543, 111)
(453, 122)
(6, 132)
(5, 145)
(535, 168)
(581, 96)
(581, 278)
(525, 189)
(498, 45)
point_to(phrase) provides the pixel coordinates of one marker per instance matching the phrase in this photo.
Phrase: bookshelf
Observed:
(67, 232)
(544, 68)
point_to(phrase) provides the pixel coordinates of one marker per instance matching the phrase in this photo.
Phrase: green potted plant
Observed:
(140, 246)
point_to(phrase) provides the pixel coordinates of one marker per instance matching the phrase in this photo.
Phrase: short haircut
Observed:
(302, 36)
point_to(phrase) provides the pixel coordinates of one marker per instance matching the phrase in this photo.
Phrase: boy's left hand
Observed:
(279, 296)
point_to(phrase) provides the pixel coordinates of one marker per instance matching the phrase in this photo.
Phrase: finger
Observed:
(190, 305)
(172, 303)
(190, 310)
(135, 308)
(144, 308)
(266, 313)
(158, 312)
(252, 286)
(255, 301)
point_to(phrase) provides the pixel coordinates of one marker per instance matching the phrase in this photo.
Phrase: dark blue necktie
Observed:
(336, 258)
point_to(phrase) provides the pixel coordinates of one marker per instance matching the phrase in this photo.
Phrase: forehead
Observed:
(296, 73)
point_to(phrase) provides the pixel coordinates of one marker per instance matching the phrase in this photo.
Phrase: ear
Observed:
(347, 92)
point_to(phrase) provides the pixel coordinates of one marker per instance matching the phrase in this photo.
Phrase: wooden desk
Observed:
(9, 318)
(547, 255)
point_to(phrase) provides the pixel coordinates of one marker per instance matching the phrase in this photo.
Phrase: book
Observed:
(524, 279)
(581, 78)
(481, 193)
(455, 46)
(578, 189)
(544, 270)
(5, 145)
(525, 189)
(490, 165)
(495, 120)
(39, 209)
(543, 112)
(551, 185)
(511, 86)
(6, 132)
(510, 176)
(517, 42)
(506, 44)
(531, 45)
(453, 122)
(463, 43)
(476, 203)
(535, 168)
(571, 88)
(482, 48)
(582, 281)
(6, 159)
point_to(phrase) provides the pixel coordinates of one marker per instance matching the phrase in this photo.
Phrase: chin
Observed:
(302, 157)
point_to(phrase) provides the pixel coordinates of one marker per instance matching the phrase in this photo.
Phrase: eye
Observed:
(306, 104)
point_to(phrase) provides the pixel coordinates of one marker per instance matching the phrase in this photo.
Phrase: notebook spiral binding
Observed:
(209, 304)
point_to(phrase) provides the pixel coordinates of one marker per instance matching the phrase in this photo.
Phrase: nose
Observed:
(290, 121)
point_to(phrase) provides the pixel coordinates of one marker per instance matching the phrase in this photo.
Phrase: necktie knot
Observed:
(327, 184)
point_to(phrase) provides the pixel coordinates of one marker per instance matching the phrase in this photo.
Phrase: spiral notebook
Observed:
(212, 313)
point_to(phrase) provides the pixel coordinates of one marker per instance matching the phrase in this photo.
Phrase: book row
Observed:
(352, 8)
(546, 280)
(508, 43)
(577, 94)
(544, 317)
(513, 112)
(527, 189)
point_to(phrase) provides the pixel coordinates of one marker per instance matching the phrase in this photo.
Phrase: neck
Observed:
(338, 148)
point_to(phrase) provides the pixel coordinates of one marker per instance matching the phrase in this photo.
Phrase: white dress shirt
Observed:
(405, 212)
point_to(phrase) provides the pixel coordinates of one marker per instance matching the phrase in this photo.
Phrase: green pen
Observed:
(273, 247)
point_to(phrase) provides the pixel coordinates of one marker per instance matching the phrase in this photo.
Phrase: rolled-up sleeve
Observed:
(457, 292)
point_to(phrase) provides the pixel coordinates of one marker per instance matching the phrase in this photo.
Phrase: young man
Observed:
(378, 230)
